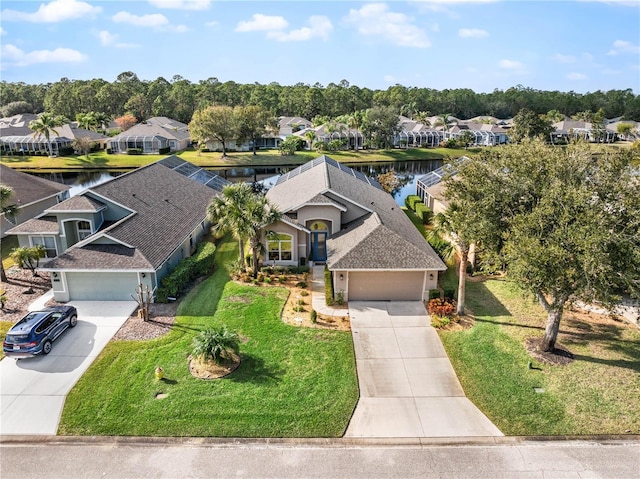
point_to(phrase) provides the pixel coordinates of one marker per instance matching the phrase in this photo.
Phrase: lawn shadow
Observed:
(92, 162)
(254, 370)
(483, 302)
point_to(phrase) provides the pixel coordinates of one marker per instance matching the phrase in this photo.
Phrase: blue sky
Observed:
(580, 45)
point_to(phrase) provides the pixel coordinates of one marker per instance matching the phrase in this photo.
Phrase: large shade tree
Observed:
(214, 123)
(45, 125)
(253, 122)
(565, 222)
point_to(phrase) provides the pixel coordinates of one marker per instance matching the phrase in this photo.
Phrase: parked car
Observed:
(35, 333)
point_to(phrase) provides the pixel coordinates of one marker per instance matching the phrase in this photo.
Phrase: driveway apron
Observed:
(408, 387)
(33, 391)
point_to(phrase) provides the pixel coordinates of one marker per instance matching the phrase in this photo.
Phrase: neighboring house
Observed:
(156, 135)
(484, 134)
(31, 194)
(351, 137)
(338, 216)
(430, 187)
(634, 132)
(131, 230)
(578, 129)
(416, 134)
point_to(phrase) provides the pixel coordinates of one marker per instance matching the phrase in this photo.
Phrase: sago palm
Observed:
(216, 344)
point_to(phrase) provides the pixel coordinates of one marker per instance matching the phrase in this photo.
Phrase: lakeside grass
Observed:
(101, 160)
(293, 382)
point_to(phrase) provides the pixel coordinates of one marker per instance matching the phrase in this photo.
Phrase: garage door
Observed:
(102, 286)
(386, 286)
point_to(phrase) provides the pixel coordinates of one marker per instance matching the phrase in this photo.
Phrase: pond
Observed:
(407, 171)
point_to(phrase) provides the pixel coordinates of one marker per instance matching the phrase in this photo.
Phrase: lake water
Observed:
(408, 171)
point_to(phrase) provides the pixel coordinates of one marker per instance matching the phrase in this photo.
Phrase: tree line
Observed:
(179, 98)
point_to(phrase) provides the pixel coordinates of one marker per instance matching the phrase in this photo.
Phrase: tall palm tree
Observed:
(6, 193)
(44, 125)
(260, 213)
(354, 120)
(87, 121)
(451, 224)
(102, 120)
(227, 213)
(443, 121)
(311, 137)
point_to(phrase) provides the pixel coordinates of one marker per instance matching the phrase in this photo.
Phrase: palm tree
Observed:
(226, 212)
(6, 193)
(102, 120)
(311, 137)
(354, 120)
(443, 121)
(451, 224)
(260, 213)
(46, 124)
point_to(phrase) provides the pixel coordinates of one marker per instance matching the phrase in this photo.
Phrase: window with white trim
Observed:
(84, 229)
(48, 243)
(280, 247)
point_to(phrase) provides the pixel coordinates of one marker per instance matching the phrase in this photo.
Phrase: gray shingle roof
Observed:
(168, 207)
(100, 257)
(79, 204)
(28, 188)
(48, 225)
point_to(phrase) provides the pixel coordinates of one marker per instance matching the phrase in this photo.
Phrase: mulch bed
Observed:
(560, 356)
(161, 318)
(21, 289)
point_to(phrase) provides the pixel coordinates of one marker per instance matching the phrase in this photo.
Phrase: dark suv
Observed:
(35, 333)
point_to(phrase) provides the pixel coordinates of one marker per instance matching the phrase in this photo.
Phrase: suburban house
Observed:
(157, 135)
(351, 137)
(416, 134)
(337, 216)
(17, 138)
(131, 230)
(31, 196)
(483, 134)
(579, 129)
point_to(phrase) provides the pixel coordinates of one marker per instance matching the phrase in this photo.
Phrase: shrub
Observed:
(443, 308)
(340, 298)
(411, 200)
(216, 344)
(314, 316)
(434, 294)
(304, 293)
(267, 279)
(328, 287)
(439, 322)
(423, 213)
(282, 278)
(301, 284)
(449, 293)
(164, 151)
(134, 151)
(199, 264)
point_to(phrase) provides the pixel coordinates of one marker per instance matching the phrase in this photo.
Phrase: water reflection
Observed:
(79, 181)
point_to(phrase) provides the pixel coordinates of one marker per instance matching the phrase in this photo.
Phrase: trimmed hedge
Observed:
(423, 213)
(411, 200)
(134, 151)
(328, 287)
(199, 264)
(164, 151)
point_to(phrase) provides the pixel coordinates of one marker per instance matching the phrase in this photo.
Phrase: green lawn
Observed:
(4, 327)
(293, 382)
(595, 394)
(6, 245)
(214, 160)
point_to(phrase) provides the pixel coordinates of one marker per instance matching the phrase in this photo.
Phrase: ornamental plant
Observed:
(444, 308)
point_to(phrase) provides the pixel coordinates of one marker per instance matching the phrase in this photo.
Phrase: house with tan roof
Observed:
(157, 135)
(31, 196)
(133, 229)
(337, 216)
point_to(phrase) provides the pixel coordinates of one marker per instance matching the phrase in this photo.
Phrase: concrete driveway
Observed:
(33, 391)
(408, 387)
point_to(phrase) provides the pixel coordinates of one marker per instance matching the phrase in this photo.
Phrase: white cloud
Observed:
(576, 76)
(390, 79)
(472, 33)
(56, 11)
(182, 4)
(560, 58)
(150, 20)
(212, 23)
(18, 57)
(623, 46)
(319, 26)
(260, 22)
(108, 39)
(2, 31)
(375, 19)
(513, 66)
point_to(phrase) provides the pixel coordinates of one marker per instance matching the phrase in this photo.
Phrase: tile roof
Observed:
(100, 257)
(28, 188)
(398, 244)
(78, 204)
(45, 225)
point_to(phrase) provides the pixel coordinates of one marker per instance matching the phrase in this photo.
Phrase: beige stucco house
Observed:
(336, 216)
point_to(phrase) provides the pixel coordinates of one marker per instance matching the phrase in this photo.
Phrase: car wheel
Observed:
(73, 321)
(46, 347)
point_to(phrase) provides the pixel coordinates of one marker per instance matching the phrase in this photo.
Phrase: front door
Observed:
(319, 245)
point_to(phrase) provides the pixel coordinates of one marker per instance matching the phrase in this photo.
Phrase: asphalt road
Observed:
(193, 458)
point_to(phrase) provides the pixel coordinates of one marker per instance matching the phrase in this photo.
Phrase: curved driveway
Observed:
(33, 391)
(408, 387)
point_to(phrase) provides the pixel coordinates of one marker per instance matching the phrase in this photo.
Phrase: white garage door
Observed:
(386, 286)
(102, 286)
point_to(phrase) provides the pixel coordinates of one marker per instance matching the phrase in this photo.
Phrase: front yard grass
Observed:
(597, 393)
(293, 382)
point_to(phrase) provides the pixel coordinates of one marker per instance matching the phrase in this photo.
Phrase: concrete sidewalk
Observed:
(408, 387)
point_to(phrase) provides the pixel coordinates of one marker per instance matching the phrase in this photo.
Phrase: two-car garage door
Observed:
(386, 286)
(101, 286)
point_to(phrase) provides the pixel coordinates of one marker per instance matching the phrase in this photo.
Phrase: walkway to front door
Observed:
(408, 387)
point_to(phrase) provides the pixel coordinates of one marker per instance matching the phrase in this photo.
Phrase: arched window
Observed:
(319, 226)
(280, 247)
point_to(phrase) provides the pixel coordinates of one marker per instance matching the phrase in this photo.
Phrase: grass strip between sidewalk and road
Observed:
(292, 382)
